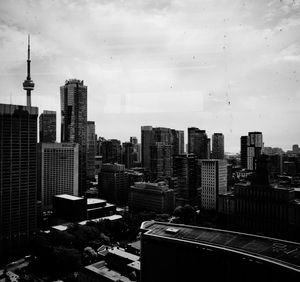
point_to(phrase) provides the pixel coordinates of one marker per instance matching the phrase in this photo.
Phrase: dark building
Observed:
(218, 146)
(128, 154)
(177, 142)
(73, 97)
(91, 149)
(147, 141)
(47, 122)
(254, 149)
(172, 252)
(69, 207)
(161, 161)
(185, 169)
(198, 143)
(18, 174)
(111, 151)
(113, 183)
(244, 146)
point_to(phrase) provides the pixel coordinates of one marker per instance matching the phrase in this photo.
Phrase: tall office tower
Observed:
(18, 174)
(213, 182)
(73, 97)
(156, 197)
(162, 134)
(177, 141)
(185, 169)
(58, 171)
(244, 146)
(161, 161)
(218, 146)
(47, 122)
(128, 154)
(28, 83)
(198, 143)
(147, 141)
(113, 183)
(91, 149)
(136, 150)
(111, 151)
(254, 149)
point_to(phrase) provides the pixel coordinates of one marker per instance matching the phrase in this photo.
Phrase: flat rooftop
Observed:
(92, 201)
(123, 254)
(284, 253)
(68, 197)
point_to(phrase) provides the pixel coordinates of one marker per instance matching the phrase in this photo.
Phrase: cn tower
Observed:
(28, 84)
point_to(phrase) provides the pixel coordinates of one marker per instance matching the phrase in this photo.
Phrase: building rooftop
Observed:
(135, 265)
(284, 253)
(93, 201)
(68, 197)
(101, 269)
(123, 254)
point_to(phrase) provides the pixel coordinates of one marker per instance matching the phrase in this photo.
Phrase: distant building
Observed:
(98, 164)
(18, 174)
(161, 161)
(91, 149)
(47, 122)
(218, 146)
(73, 97)
(254, 149)
(58, 171)
(213, 182)
(147, 140)
(198, 143)
(128, 154)
(185, 169)
(156, 197)
(244, 146)
(113, 183)
(177, 142)
(111, 151)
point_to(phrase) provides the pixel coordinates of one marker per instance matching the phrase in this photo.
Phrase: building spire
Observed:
(28, 84)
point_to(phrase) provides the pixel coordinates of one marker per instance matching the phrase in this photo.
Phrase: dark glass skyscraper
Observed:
(244, 145)
(91, 149)
(218, 146)
(73, 97)
(47, 122)
(18, 174)
(198, 143)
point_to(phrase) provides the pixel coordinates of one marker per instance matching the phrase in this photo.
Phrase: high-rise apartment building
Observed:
(218, 146)
(161, 161)
(18, 173)
(198, 143)
(91, 149)
(47, 124)
(73, 96)
(58, 171)
(244, 146)
(156, 197)
(254, 149)
(213, 182)
(113, 183)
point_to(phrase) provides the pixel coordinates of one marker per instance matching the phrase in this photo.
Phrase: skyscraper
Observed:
(218, 146)
(161, 161)
(18, 173)
(111, 151)
(47, 122)
(73, 97)
(244, 146)
(91, 149)
(128, 154)
(198, 143)
(147, 140)
(254, 149)
(177, 142)
(213, 182)
(58, 171)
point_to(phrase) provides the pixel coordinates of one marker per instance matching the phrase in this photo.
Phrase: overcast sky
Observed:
(223, 66)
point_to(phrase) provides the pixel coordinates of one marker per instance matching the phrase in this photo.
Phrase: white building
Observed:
(213, 182)
(58, 171)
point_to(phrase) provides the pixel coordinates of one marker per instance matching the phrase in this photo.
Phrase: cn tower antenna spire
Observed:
(28, 84)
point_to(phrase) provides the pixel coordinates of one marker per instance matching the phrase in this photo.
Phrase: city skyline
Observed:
(221, 68)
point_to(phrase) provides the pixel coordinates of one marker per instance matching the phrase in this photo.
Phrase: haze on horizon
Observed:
(223, 66)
